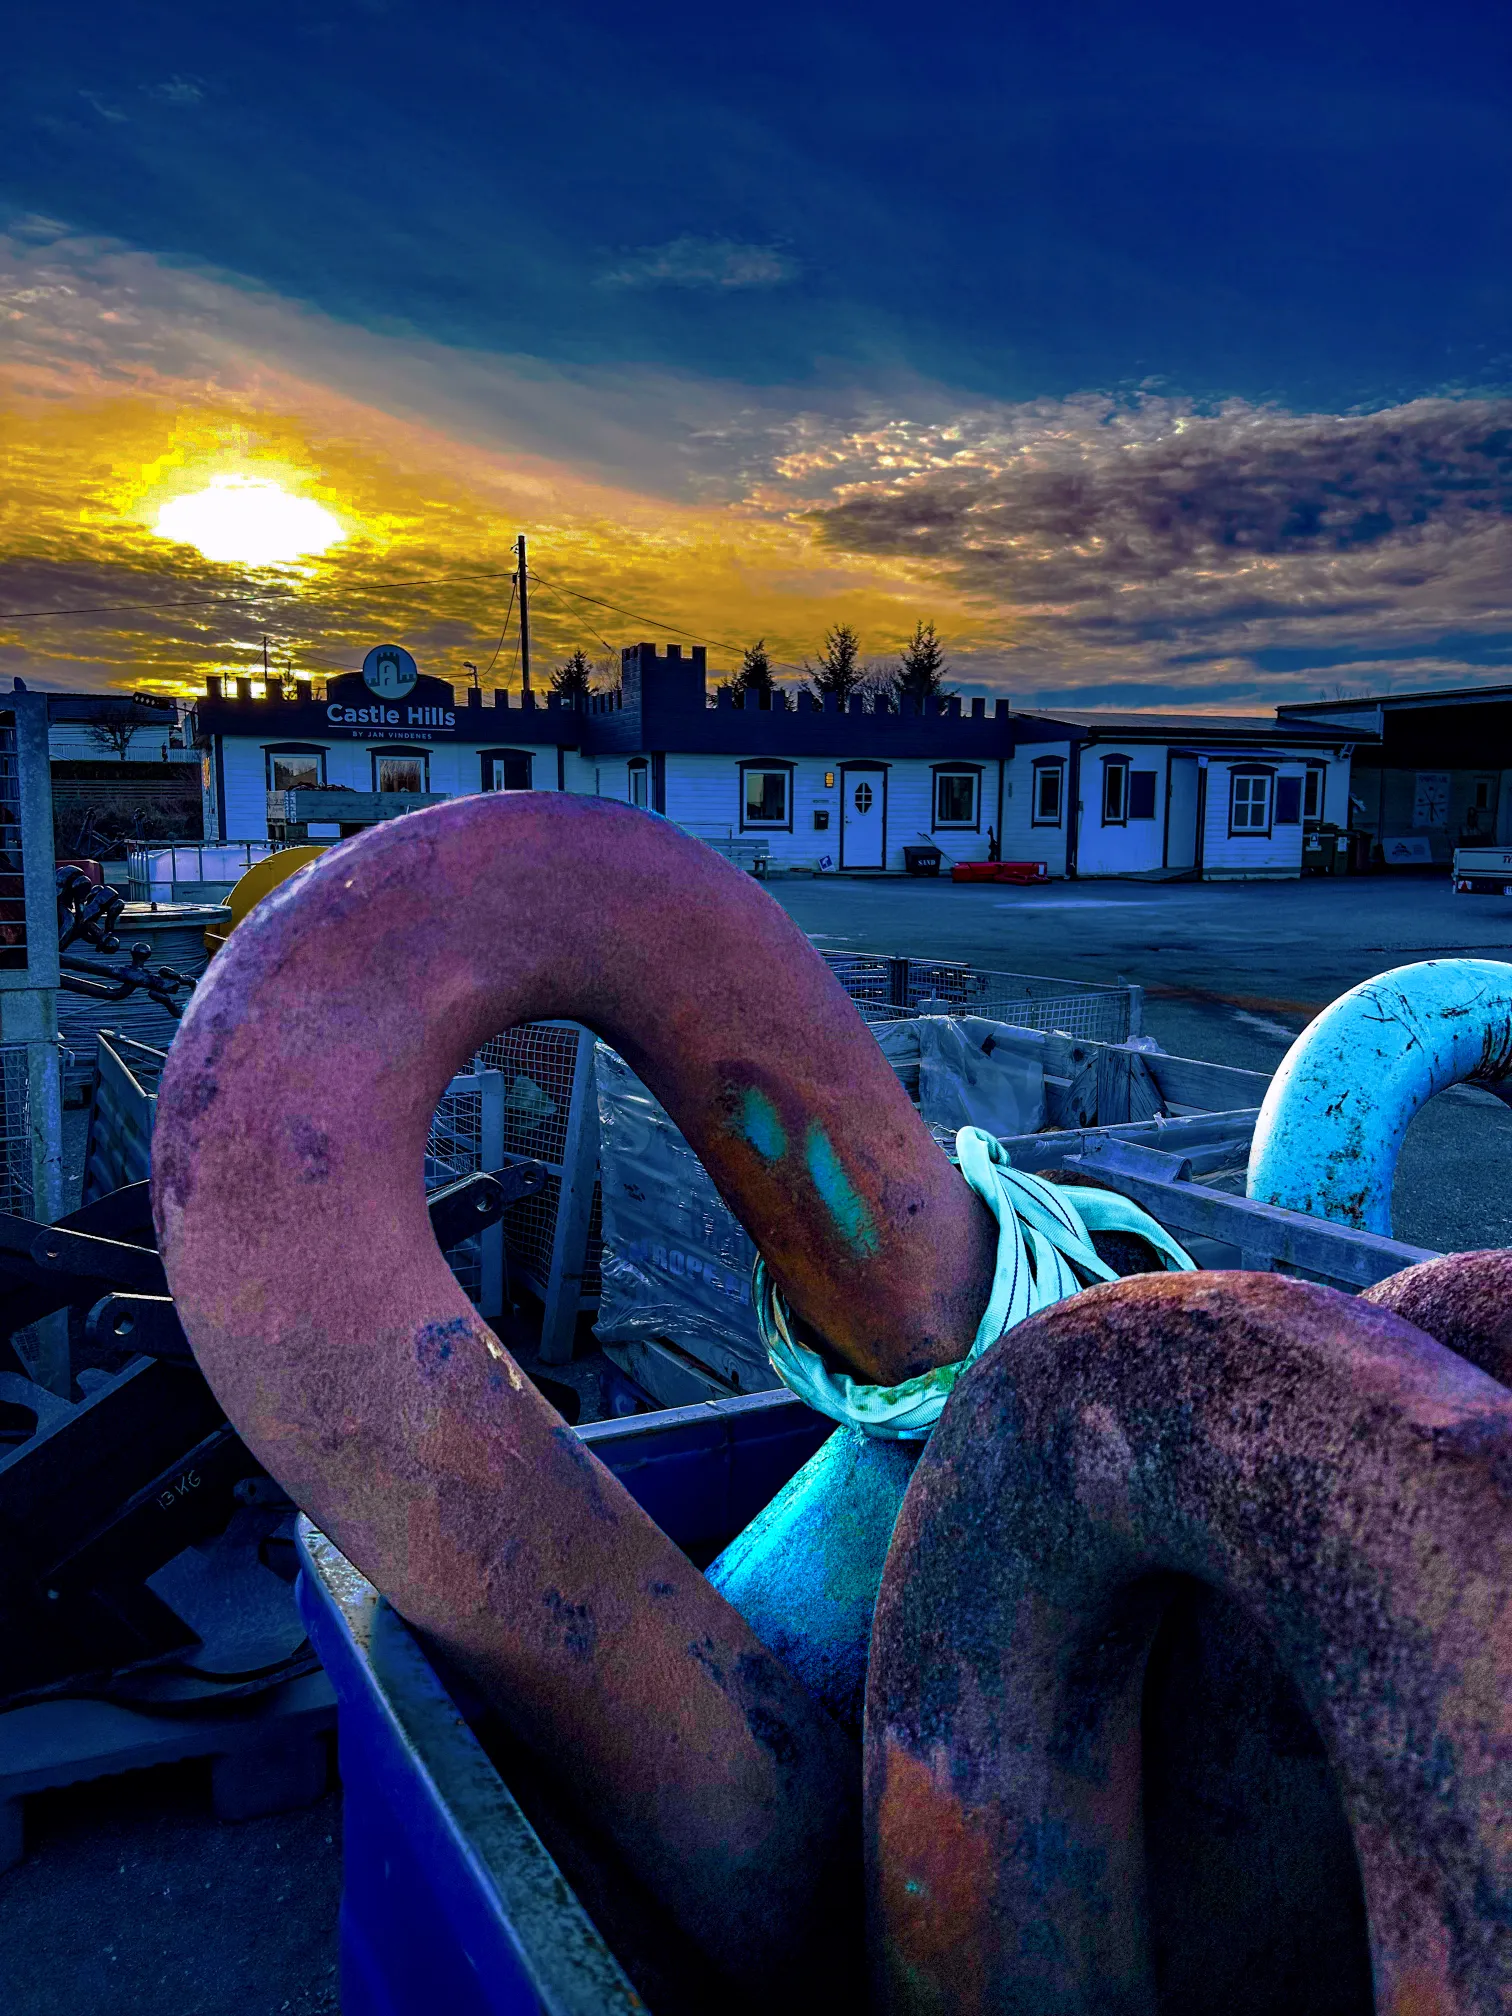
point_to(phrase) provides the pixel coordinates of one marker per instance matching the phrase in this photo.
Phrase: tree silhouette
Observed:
(839, 672)
(754, 676)
(921, 669)
(573, 681)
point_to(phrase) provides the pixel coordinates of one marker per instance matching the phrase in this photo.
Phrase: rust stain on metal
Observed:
(290, 1208)
(1332, 1471)
(1462, 1299)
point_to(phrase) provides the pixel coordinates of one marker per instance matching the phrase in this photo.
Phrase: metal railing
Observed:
(889, 986)
(153, 872)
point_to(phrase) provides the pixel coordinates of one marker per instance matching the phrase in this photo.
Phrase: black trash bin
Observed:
(922, 860)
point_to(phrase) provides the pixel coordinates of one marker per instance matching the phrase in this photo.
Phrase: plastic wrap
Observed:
(677, 1265)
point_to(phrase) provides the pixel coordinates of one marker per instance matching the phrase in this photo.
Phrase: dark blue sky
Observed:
(1306, 204)
(1152, 348)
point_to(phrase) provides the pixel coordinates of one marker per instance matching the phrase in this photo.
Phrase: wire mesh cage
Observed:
(15, 1133)
(454, 1148)
(542, 1065)
(887, 987)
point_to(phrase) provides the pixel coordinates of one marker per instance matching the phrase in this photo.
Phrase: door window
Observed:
(863, 798)
(639, 794)
(1312, 793)
(510, 773)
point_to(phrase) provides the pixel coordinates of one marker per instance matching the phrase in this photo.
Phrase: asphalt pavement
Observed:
(131, 1898)
(1232, 973)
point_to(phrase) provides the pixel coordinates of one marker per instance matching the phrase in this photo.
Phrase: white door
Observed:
(1181, 827)
(863, 818)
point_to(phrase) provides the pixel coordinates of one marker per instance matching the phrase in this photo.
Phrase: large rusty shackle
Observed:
(1335, 1474)
(288, 1192)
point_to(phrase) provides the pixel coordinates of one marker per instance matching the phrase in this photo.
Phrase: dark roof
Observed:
(1195, 727)
(1426, 697)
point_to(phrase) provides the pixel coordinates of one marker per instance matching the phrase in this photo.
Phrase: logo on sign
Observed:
(389, 671)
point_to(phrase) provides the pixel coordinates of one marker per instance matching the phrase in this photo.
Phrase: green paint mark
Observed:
(842, 1200)
(761, 1124)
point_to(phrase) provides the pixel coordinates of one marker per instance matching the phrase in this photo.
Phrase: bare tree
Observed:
(114, 735)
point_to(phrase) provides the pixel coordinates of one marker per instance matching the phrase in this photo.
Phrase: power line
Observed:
(503, 633)
(551, 589)
(240, 595)
(655, 622)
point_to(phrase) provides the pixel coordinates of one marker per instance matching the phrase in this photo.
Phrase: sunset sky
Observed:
(1160, 356)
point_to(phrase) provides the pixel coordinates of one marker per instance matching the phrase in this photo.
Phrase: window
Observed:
(1250, 802)
(639, 785)
(402, 773)
(1115, 790)
(508, 771)
(302, 772)
(1049, 785)
(1484, 798)
(1312, 795)
(1288, 801)
(765, 796)
(956, 797)
(1141, 794)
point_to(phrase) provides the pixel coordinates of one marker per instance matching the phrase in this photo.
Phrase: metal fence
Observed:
(888, 986)
(154, 872)
(554, 1239)
(15, 1133)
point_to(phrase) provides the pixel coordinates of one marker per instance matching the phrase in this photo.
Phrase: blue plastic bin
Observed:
(450, 1900)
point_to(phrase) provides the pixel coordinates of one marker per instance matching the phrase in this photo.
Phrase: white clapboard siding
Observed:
(1238, 856)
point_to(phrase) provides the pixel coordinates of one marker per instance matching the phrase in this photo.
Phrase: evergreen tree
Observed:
(754, 677)
(839, 672)
(755, 674)
(573, 681)
(921, 669)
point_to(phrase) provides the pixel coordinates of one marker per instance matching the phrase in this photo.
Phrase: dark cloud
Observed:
(1109, 530)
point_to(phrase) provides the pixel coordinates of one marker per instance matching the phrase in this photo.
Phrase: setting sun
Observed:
(248, 520)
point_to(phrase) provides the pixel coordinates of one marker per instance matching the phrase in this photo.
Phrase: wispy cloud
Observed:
(717, 264)
(1137, 549)
(177, 91)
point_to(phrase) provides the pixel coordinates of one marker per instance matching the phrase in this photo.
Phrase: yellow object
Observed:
(258, 882)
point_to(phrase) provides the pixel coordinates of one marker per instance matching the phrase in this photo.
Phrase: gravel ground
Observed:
(133, 1899)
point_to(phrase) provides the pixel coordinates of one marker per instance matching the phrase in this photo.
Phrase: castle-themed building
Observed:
(824, 788)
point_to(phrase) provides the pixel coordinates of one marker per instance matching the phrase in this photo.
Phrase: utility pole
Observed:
(521, 583)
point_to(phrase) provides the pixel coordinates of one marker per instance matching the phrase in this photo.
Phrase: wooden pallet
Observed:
(269, 1757)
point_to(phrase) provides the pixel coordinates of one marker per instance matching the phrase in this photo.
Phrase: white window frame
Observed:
(638, 784)
(315, 756)
(1314, 787)
(1048, 766)
(752, 824)
(1251, 827)
(974, 778)
(1119, 764)
(420, 756)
